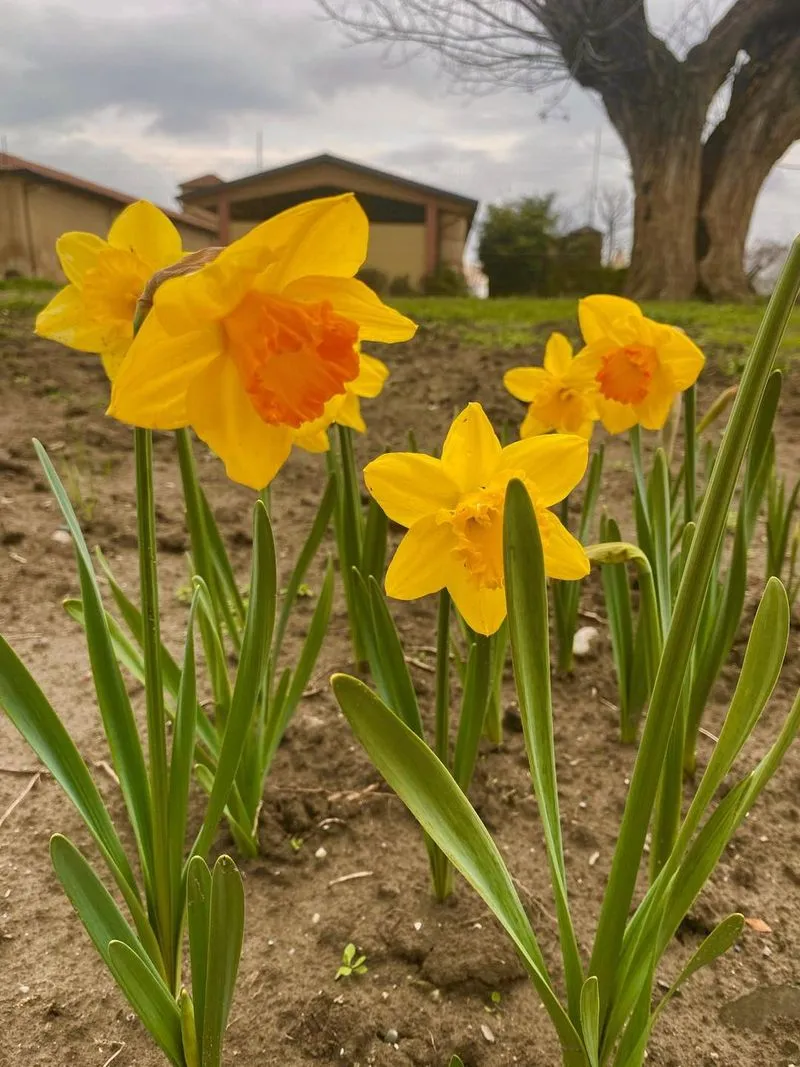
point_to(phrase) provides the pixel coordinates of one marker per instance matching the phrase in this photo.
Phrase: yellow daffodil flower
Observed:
(640, 366)
(453, 508)
(345, 409)
(254, 344)
(94, 312)
(560, 395)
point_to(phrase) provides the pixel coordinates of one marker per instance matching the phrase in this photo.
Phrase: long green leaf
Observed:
(590, 1019)
(150, 999)
(31, 713)
(393, 667)
(225, 932)
(373, 551)
(473, 710)
(198, 921)
(96, 908)
(526, 595)
(680, 640)
(250, 677)
(721, 938)
(112, 697)
(307, 554)
(434, 799)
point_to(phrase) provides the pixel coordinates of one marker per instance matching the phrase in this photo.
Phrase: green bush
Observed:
(401, 286)
(376, 279)
(444, 281)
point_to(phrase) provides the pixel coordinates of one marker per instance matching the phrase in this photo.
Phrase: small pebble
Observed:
(595, 856)
(417, 925)
(583, 640)
(321, 853)
(61, 537)
(391, 1037)
(24, 989)
(766, 951)
(487, 1033)
(315, 917)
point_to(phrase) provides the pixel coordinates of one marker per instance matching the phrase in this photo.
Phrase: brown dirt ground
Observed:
(431, 968)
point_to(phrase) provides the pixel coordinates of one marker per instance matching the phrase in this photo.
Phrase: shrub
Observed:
(401, 286)
(444, 281)
(377, 280)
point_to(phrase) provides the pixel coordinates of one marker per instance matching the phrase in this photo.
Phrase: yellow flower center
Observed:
(291, 357)
(112, 287)
(477, 522)
(626, 373)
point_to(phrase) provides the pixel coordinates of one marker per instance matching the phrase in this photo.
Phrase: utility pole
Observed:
(259, 151)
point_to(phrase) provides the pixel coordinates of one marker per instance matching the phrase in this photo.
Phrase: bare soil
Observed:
(432, 968)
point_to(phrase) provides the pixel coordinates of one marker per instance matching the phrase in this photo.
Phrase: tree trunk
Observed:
(665, 150)
(762, 121)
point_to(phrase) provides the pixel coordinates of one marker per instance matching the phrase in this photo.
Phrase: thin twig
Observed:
(114, 1055)
(34, 779)
(350, 877)
(709, 735)
(419, 663)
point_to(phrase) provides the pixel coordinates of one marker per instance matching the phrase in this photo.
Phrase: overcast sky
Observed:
(153, 92)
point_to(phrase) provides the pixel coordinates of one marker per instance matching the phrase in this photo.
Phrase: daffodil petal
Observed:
(114, 353)
(77, 253)
(525, 383)
(222, 415)
(532, 426)
(152, 385)
(65, 319)
(684, 359)
(564, 556)
(355, 301)
(421, 562)
(557, 355)
(185, 303)
(313, 442)
(654, 410)
(553, 464)
(471, 450)
(326, 236)
(597, 315)
(616, 417)
(583, 369)
(349, 413)
(147, 232)
(409, 486)
(372, 375)
(482, 609)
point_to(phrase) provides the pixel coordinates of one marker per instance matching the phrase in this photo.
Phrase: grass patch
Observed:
(28, 285)
(726, 331)
(19, 306)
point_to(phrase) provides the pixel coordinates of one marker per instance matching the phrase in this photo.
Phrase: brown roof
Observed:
(17, 165)
(194, 186)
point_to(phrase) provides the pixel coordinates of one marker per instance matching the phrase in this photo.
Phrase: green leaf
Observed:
(198, 921)
(250, 677)
(191, 1052)
(434, 799)
(373, 551)
(183, 742)
(128, 654)
(221, 561)
(307, 554)
(150, 999)
(132, 617)
(721, 938)
(402, 698)
(214, 652)
(473, 709)
(95, 906)
(528, 623)
(660, 515)
(590, 1019)
(225, 931)
(112, 697)
(31, 713)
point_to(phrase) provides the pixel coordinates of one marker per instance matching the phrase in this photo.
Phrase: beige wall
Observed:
(397, 249)
(34, 215)
(452, 238)
(14, 243)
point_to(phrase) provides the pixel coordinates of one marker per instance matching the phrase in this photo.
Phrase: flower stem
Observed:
(154, 699)
(690, 452)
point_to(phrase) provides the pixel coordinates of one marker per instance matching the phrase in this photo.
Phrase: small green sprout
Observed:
(351, 963)
(296, 843)
(494, 1003)
(304, 590)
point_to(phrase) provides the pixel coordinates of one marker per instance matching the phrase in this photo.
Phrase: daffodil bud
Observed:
(718, 408)
(615, 552)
